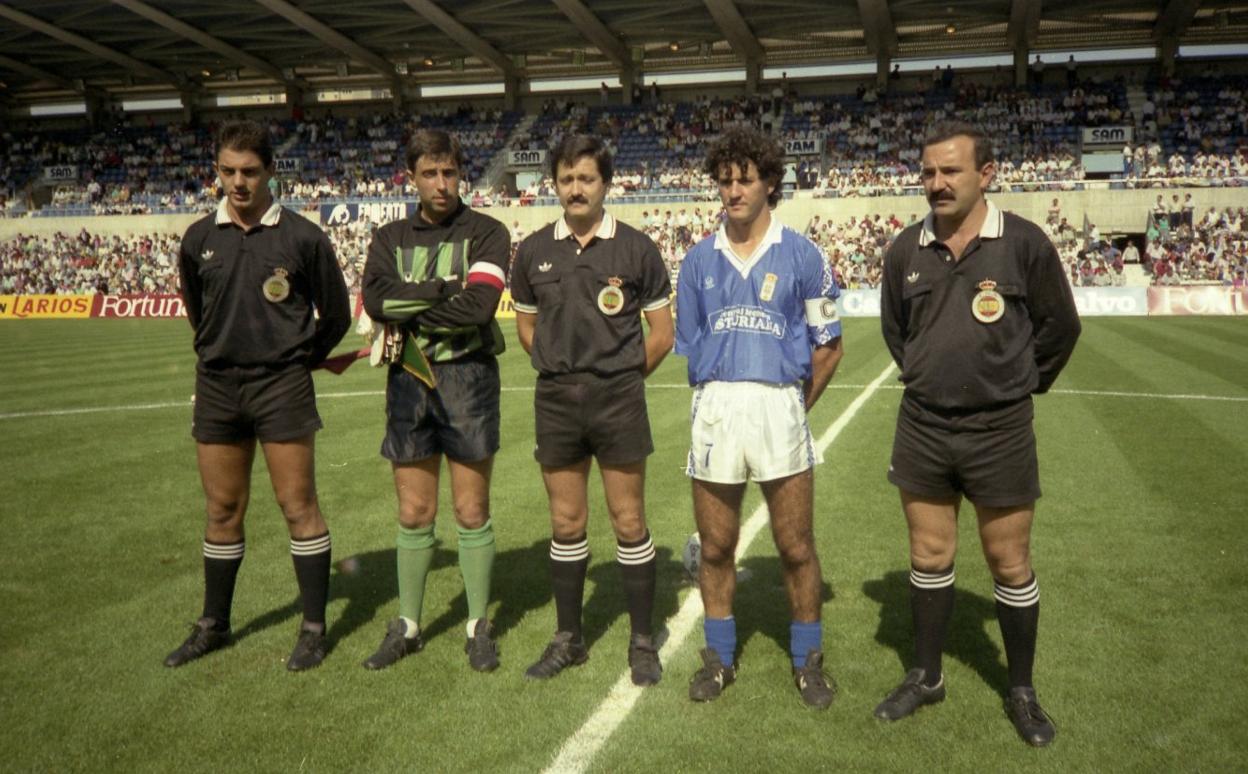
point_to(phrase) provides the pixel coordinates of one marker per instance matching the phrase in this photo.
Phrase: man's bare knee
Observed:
(471, 513)
(417, 514)
(798, 553)
(226, 511)
(930, 553)
(1011, 570)
(629, 524)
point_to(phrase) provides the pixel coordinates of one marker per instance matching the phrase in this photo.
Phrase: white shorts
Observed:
(749, 431)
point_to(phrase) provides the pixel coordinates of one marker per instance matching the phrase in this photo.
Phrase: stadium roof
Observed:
(130, 48)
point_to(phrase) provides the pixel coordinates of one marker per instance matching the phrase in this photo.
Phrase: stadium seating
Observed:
(869, 148)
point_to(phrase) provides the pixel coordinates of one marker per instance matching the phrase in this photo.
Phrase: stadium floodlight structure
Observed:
(879, 33)
(463, 36)
(230, 52)
(1171, 24)
(131, 64)
(597, 33)
(743, 41)
(1021, 33)
(40, 74)
(336, 40)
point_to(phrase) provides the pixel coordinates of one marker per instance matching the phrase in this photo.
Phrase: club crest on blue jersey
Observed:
(748, 319)
(769, 287)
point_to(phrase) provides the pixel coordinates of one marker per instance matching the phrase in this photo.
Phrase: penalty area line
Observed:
(578, 750)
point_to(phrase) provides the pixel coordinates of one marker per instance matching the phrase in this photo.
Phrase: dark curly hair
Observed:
(740, 145)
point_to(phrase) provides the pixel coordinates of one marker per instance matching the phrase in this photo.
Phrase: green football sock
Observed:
(476, 564)
(415, 555)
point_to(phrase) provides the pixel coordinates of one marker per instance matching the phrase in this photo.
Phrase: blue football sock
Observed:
(721, 637)
(803, 638)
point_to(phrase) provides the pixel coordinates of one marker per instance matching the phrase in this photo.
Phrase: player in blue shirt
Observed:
(756, 316)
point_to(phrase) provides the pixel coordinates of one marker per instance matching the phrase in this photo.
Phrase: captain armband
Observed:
(821, 311)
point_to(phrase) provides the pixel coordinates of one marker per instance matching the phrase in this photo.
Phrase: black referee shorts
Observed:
(459, 418)
(988, 456)
(237, 404)
(579, 415)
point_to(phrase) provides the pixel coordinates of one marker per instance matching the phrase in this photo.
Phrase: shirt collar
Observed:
(606, 229)
(775, 232)
(994, 226)
(270, 217)
(419, 222)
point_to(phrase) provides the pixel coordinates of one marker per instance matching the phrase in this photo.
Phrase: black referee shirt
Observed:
(250, 295)
(949, 359)
(589, 301)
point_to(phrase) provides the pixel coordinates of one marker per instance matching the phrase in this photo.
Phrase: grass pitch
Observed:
(1139, 546)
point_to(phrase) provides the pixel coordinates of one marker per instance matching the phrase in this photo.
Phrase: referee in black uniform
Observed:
(580, 287)
(267, 300)
(977, 313)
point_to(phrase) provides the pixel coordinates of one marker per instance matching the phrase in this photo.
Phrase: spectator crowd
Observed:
(1190, 132)
(1211, 249)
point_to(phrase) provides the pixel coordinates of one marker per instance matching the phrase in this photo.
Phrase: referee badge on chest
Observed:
(276, 288)
(988, 306)
(611, 297)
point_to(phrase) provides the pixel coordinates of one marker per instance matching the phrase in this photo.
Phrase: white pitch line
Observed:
(578, 750)
(376, 393)
(1151, 395)
(92, 410)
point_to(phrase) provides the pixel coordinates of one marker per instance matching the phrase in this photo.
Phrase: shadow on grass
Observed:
(512, 589)
(607, 603)
(762, 603)
(369, 582)
(967, 641)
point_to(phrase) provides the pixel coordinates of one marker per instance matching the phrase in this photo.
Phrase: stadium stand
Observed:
(1212, 250)
(89, 263)
(354, 158)
(1192, 132)
(130, 168)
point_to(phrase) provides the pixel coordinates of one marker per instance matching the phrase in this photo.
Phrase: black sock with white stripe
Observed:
(931, 605)
(311, 557)
(221, 563)
(569, 561)
(637, 569)
(1018, 612)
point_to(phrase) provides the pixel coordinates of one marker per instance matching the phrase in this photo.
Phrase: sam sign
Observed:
(525, 159)
(1107, 136)
(60, 173)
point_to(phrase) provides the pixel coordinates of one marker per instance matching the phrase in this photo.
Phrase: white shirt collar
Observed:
(270, 217)
(606, 229)
(775, 231)
(994, 226)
